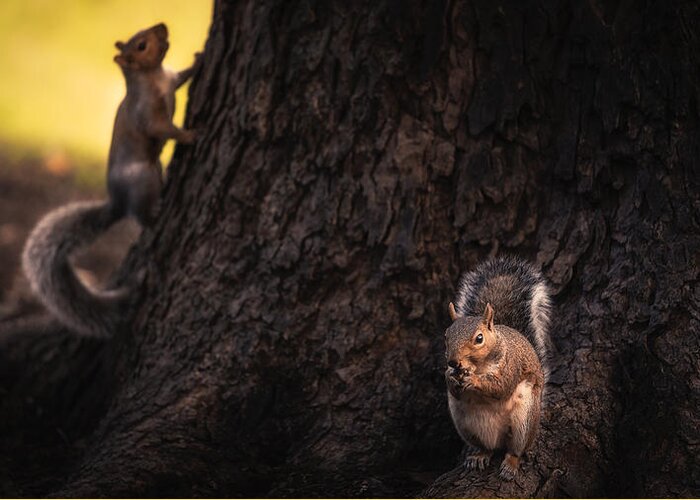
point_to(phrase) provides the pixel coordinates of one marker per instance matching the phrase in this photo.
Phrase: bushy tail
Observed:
(519, 295)
(45, 261)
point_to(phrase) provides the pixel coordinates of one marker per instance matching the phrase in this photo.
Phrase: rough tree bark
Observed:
(354, 158)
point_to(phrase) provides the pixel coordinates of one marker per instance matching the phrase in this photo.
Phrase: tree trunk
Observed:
(353, 159)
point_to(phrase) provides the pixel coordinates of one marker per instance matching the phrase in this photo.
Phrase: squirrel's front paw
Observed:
(470, 382)
(454, 386)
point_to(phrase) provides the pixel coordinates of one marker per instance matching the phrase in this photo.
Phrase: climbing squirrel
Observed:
(496, 350)
(134, 176)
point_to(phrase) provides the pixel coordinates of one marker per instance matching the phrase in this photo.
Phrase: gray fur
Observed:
(45, 262)
(519, 295)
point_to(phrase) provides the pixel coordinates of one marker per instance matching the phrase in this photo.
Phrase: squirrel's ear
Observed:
(119, 45)
(488, 317)
(453, 313)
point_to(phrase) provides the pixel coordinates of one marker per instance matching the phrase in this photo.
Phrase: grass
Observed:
(59, 87)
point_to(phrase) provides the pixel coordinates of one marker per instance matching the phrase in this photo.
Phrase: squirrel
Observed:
(496, 352)
(134, 177)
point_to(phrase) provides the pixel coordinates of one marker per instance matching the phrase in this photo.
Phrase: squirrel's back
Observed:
(517, 292)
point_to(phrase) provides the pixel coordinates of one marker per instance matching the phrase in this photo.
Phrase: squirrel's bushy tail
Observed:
(45, 260)
(519, 295)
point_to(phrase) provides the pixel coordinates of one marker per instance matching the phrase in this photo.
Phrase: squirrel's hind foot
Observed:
(477, 460)
(509, 467)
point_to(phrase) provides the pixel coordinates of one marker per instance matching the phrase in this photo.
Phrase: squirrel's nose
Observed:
(453, 364)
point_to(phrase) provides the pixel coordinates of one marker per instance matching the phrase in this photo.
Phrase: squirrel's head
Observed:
(145, 50)
(468, 341)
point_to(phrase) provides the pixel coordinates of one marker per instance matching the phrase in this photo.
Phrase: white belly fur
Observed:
(488, 420)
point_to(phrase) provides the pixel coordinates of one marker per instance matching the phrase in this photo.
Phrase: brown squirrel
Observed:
(496, 373)
(134, 178)
(143, 123)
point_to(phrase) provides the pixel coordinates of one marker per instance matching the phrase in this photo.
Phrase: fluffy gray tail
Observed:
(519, 295)
(45, 261)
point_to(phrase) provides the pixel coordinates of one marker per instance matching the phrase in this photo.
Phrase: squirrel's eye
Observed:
(479, 339)
(141, 46)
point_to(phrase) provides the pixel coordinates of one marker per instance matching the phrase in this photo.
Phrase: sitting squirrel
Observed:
(496, 372)
(134, 177)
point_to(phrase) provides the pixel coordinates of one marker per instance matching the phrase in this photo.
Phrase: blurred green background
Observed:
(60, 88)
